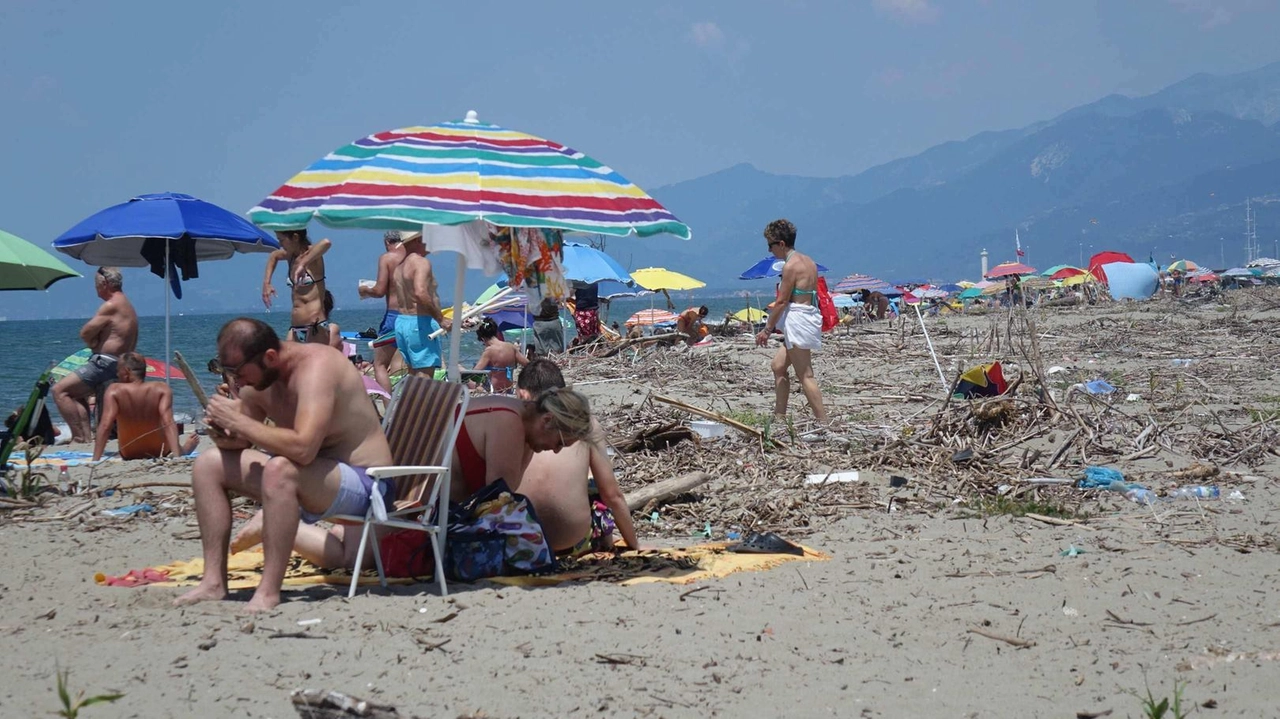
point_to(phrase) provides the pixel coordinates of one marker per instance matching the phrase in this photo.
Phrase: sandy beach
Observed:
(968, 592)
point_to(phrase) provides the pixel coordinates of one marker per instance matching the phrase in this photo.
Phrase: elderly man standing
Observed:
(109, 333)
(796, 313)
(310, 464)
(414, 284)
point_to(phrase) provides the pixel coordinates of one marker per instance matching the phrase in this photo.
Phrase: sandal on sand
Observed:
(766, 543)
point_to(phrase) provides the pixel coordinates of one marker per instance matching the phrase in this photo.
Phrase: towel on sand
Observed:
(682, 565)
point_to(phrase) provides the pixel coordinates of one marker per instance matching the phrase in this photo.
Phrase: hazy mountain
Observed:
(1165, 173)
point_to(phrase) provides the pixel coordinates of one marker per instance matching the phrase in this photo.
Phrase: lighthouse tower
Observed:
(984, 263)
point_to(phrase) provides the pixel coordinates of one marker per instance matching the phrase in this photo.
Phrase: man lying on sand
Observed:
(141, 412)
(311, 467)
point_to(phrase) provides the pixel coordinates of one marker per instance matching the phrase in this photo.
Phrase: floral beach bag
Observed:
(494, 533)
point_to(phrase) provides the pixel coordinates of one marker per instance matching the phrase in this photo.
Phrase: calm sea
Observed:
(32, 346)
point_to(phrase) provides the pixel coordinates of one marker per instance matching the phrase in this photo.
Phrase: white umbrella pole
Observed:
(524, 322)
(455, 337)
(932, 353)
(168, 353)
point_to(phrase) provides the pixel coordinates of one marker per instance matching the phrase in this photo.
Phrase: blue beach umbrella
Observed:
(586, 264)
(769, 267)
(168, 232)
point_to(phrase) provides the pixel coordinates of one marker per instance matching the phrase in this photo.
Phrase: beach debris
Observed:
(328, 704)
(309, 622)
(1071, 551)
(833, 477)
(659, 492)
(1013, 641)
(130, 510)
(660, 437)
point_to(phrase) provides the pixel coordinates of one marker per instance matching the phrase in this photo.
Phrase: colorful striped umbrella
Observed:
(651, 317)
(1005, 269)
(857, 283)
(457, 172)
(1183, 266)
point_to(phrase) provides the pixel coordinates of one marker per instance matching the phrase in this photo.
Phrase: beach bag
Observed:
(494, 533)
(830, 318)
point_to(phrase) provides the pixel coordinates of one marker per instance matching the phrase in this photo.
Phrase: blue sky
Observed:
(226, 100)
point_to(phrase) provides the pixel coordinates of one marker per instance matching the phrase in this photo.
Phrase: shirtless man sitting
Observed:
(311, 461)
(499, 438)
(142, 412)
(558, 486)
(414, 285)
(109, 333)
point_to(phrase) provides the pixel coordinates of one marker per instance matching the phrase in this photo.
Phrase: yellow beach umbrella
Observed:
(750, 314)
(658, 278)
(1074, 280)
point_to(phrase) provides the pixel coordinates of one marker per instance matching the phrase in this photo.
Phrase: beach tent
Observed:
(1103, 258)
(1130, 280)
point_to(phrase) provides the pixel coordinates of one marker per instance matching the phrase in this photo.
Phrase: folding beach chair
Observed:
(30, 414)
(422, 426)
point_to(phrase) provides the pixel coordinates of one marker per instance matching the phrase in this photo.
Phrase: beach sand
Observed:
(934, 603)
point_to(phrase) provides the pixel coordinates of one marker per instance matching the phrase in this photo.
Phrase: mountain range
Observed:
(1165, 175)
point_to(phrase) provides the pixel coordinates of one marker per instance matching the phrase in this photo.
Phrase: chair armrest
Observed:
(382, 472)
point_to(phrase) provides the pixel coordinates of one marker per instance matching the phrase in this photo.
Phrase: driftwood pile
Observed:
(1194, 390)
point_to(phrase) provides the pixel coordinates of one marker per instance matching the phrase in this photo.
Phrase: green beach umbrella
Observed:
(24, 266)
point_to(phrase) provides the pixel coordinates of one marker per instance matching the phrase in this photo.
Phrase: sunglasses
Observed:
(234, 370)
(776, 242)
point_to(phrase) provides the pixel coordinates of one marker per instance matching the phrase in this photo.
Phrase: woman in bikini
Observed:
(307, 319)
(499, 357)
(498, 438)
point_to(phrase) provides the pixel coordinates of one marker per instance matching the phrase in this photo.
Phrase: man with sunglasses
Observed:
(796, 313)
(309, 464)
(111, 332)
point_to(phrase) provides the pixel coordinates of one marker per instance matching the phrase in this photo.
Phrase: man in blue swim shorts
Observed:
(414, 285)
(308, 464)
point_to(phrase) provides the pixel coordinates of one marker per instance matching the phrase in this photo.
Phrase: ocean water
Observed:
(30, 347)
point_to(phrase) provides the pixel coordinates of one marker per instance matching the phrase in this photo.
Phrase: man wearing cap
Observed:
(384, 347)
(414, 286)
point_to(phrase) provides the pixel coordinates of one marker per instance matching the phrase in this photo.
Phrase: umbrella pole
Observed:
(932, 353)
(167, 291)
(455, 337)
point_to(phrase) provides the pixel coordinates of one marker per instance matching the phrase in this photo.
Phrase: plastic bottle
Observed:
(64, 479)
(1195, 492)
(1141, 495)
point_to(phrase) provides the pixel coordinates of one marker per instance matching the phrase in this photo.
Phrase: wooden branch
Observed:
(666, 489)
(1019, 643)
(324, 704)
(196, 389)
(744, 428)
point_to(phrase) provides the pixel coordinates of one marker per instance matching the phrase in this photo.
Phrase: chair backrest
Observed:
(422, 426)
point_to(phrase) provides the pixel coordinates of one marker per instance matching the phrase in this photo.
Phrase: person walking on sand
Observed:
(384, 346)
(796, 313)
(312, 461)
(142, 412)
(307, 320)
(420, 314)
(111, 332)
